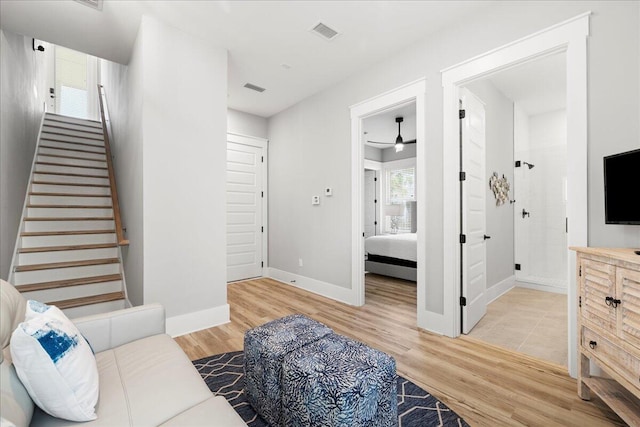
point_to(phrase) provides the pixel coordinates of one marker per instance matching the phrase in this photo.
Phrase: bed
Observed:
(392, 255)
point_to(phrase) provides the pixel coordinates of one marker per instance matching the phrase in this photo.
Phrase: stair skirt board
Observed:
(69, 199)
(68, 239)
(66, 255)
(38, 276)
(87, 310)
(79, 291)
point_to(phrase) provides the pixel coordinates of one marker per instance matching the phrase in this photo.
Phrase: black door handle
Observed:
(486, 237)
(525, 213)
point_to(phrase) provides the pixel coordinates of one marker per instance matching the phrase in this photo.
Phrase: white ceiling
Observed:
(538, 86)
(383, 127)
(260, 36)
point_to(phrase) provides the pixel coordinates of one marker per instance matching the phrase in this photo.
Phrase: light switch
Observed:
(315, 200)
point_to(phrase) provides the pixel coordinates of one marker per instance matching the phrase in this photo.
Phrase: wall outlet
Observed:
(299, 262)
(315, 200)
(328, 191)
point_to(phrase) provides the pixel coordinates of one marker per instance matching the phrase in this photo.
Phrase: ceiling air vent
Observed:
(324, 31)
(95, 4)
(254, 87)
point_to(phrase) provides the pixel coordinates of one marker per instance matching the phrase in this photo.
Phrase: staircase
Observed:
(67, 252)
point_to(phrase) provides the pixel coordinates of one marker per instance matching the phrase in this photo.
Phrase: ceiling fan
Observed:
(400, 143)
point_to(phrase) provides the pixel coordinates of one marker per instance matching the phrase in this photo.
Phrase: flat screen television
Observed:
(622, 188)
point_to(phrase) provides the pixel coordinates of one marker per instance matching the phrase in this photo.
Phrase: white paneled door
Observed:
(245, 196)
(474, 189)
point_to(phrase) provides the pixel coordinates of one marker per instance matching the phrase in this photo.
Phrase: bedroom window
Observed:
(400, 189)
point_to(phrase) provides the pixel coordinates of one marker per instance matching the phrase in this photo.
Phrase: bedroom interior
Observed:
(527, 262)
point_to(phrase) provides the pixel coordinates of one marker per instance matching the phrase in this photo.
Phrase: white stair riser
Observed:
(55, 137)
(61, 120)
(45, 151)
(70, 200)
(69, 126)
(88, 310)
(68, 225)
(70, 239)
(60, 144)
(70, 169)
(38, 276)
(39, 176)
(62, 256)
(69, 292)
(73, 162)
(68, 212)
(73, 189)
(71, 132)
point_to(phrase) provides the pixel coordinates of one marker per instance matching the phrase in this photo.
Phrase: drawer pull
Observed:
(592, 344)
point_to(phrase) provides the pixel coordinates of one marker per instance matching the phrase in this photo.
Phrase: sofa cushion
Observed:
(55, 363)
(214, 411)
(143, 383)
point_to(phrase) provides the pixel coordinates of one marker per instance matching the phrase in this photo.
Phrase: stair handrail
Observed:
(106, 129)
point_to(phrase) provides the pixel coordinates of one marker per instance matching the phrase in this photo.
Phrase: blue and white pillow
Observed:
(55, 363)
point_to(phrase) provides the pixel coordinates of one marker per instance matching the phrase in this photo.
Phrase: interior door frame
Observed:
(411, 92)
(263, 144)
(569, 37)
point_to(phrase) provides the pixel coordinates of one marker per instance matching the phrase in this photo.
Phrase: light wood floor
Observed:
(486, 385)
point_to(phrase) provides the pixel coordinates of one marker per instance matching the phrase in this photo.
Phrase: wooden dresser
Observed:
(609, 328)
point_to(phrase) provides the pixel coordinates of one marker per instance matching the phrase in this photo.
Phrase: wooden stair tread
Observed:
(66, 264)
(66, 218)
(64, 233)
(68, 206)
(59, 156)
(71, 184)
(70, 166)
(40, 193)
(70, 142)
(95, 131)
(41, 286)
(76, 150)
(72, 136)
(67, 248)
(81, 175)
(95, 299)
(55, 116)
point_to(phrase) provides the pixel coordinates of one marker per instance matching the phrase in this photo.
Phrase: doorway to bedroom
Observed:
(390, 204)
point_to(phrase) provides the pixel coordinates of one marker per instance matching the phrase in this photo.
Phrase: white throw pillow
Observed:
(55, 363)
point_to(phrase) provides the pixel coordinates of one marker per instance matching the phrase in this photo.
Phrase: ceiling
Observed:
(260, 36)
(383, 127)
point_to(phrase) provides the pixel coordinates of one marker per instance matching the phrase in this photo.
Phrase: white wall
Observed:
(499, 158)
(171, 158)
(23, 87)
(246, 124)
(307, 154)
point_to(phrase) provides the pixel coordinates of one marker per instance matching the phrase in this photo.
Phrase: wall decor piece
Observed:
(500, 188)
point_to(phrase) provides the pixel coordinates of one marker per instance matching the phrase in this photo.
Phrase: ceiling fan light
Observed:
(399, 146)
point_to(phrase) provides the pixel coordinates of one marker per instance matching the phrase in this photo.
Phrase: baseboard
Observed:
(499, 289)
(319, 287)
(540, 287)
(196, 321)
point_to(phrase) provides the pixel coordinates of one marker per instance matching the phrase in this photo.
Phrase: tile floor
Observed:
(529, 321)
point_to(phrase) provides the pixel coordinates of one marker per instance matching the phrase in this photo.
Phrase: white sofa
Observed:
(145, 377)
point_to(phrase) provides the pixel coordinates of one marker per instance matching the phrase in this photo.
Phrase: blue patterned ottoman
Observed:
(337, 381)
(265, 347)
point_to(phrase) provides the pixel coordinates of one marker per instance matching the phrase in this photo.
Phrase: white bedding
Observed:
(402, 246)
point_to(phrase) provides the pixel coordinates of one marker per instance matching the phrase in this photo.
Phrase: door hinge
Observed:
(375, 222)
(463, 176)
(262, 194)
(580, 301)
(580, 271)
(463, 301)
(518, 267)
(375, 179)
(262, 229)
(262, 159)
(462, 114)
(375, 200)
(362, 234)
(463, 238)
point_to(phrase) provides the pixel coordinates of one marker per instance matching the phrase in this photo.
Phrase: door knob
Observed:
(525, 213)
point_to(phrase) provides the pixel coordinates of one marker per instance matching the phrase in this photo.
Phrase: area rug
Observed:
(224, 375)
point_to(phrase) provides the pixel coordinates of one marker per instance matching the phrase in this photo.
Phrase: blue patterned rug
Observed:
(224, 375)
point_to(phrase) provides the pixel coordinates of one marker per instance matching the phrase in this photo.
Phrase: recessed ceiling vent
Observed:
(254, 87)
(94, 4)
(324, 31)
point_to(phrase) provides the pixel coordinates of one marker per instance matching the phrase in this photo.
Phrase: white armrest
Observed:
(113, 329)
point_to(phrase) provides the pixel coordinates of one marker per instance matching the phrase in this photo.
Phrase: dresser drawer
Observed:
(624, 363)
